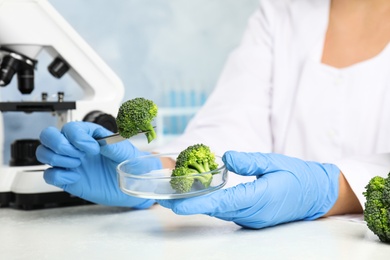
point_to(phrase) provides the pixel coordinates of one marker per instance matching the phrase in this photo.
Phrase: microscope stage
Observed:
(39, 106)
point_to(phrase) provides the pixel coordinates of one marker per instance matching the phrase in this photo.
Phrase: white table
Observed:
(98, 232)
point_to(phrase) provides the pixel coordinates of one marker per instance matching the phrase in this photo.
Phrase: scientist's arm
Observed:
(360, 169)
(347, 202)
(84, 169)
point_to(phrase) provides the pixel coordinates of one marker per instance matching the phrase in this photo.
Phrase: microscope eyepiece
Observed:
(58, 67)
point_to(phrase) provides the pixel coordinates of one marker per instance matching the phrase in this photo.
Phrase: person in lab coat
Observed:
(301, 114)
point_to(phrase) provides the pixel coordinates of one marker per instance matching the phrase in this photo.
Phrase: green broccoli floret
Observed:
(135, 116)
(181, 181)
(377, 207)
(190, 163)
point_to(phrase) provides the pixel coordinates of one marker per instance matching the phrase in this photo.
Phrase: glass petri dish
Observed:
(144, 177)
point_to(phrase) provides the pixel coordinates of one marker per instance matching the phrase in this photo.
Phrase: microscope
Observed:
(27, 27)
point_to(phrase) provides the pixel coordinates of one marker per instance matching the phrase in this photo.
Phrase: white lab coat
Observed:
(274, 95)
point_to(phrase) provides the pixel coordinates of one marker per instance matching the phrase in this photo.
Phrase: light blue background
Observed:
(159, 48)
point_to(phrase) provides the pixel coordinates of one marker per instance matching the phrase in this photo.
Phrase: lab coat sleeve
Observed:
(360, 169)
(236, 114)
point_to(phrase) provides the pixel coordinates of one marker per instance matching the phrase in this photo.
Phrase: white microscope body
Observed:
(27, 27)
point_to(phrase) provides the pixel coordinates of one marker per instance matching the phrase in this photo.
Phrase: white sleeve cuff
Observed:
(359, 170)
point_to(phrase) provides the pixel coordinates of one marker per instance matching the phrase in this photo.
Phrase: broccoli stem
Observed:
(150, 134)
(197, 167)
(204, 179)
(206, 166)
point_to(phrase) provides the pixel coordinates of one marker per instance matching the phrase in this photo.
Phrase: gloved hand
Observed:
(286, 189)
(82, 168)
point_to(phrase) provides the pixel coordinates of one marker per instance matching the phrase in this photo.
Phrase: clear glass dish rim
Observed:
(129, 175)
(146, 195)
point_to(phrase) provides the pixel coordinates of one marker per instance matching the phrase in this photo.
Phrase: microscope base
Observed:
(26, 189)
(5, 199)
(45, 200)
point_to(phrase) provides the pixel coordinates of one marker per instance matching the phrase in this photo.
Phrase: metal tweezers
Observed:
(111, 139)
(114, 138)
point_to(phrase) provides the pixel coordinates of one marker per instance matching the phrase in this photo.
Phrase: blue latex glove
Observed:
(286, 189)
(82, 168)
